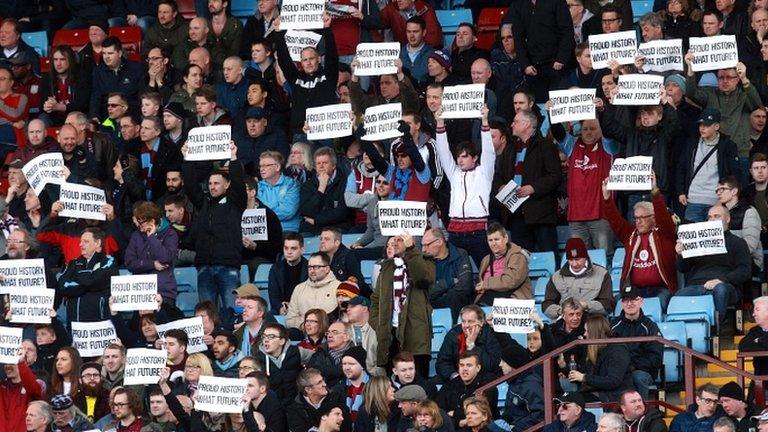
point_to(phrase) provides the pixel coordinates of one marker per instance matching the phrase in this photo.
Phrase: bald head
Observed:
(36, 132)
(480, 71)
(198, 30)
(68, 138)
(233, 70)
(201, 57)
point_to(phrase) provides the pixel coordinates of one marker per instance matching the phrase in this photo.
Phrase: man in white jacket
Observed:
(319, 291)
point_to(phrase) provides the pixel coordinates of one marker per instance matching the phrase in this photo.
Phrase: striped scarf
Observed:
(400, 289)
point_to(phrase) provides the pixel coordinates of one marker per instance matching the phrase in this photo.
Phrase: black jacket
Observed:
(273, 411)
(524, 406)
(727, 162)
(542, 171)
(251, 148)
(270, 248)
(646, 356)
(127, 80)
(756, 339)
(79, 94)
(88, 10)
(327, 209)
(303, 415)
(734, 267)
(610, 375)
(282, 379)
(168, 158)
(451, 396)
(278, 292)
(543, 34)
(216, 229)
(585, 423)
(486, 345)
(345, 264)
(86, 286)
(651, 421)
(331, 369)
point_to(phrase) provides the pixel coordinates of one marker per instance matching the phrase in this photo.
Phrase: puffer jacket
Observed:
(415, 320)
(283, 199)
(470, 190)
(216, 229)
(746, 224)
(513, 283)
(143, 251)
(593, 287)
(309, 295)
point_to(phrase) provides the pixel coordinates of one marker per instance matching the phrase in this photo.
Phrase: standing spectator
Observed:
(157, 156)
(322, 195)
(344, 264)
(170, 29)
(225, 31)
(400, 309)
(17, 390)
(651, 265)
(508, 71)
(258, 26)
(393, 88)
(396, 14)
(543, 33)
(582, 280)
(277, 191)
(289, 270)
(755, 193)
(115, 74)
(197, 37)
(701, 415)
(263, 136)
(472, 334)
(503, 272)
(453, 272)
(465, 52)
(415, 52)
(280, 360)
(254, 311)
(646, 357)
(216, 230)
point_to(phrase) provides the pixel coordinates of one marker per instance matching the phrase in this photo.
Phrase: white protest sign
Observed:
(301, 14)
(713, 52)
(134, 292)
(297, 40)
(32, 305)
(620, 46)
(209, 143)
(639, 89)
(398, 216)
(703, 238)
(463, 101)
(194, 329)
(329, 121)
(44, 169)
(631, 174)
(508, 196)
(512, 315)
(662, 55)
(377, 58)
(22, 274)
(143, 366)
(254, 224)
(82, 202)
(572, 105)
(220, 395)
(90, 338)
(381, 121)
(10, 344)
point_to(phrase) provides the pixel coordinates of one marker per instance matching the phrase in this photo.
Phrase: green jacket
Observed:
(734, 108)
(167, 37)
(228, 43)
(415, 329)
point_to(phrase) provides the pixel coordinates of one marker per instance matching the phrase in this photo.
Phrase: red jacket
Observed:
(15, 397)
(662, 240)
(392, 19)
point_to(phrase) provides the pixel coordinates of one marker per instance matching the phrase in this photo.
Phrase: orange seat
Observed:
(187, 9)
(76, 39)
(131, 39)
(488, 24)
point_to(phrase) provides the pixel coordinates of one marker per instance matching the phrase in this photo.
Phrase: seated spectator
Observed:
(327, 359)
(226, 354)
(314, 327)
(378, 405)
(39, 416)
(353, 363)
(169, 30)
(756, 338)
(646, 357)
(126, 410)
(331, 419)
(312, 400)
(700, 415)
(736, 407)
(115, 74)
(473, 333)
(14, 107)
(322, 195)
(409, 399)
(191, 81)
(38, 142)
(572, 414)
(289, 270)
(479, 414)
(504, 272)
(395, 15)
(761, 420)
(393, 88)
(207, 111)
(745, 220)
(319, 291)
(195, 366)
(280, 360)
(371, 243)
(26, 81)
(607, 368)
(611, 422)
(648, 264)
(174, 119)
(567, 329)
(300, 163)
(404, 373)
(582, 280)
(755, 192)
(93, 397)
(464, 52)
(254, 311)
(66, 414)
(98, 145)
(635, 412)
(13, 46)
(471, 376)
(526, 406)
(698, 179)
(721, 276)
(278, 191)
(344, 264)
(453, 272)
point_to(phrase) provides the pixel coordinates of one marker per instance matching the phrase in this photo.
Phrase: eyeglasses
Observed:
(709, 401)
(311, 321)
(428, 244)
(119, 404)
(333, 333)
(271, 336)
(727, 78)
(609, 20)
(149, 59)
(113, 105)
(382, 182)
(90, 375)
(637, 217)
(245, 368)
(722, 189)
(316, 267)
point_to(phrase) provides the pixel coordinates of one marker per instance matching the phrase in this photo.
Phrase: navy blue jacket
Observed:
(86, 286)
(278, 292)
(128, 79)
(586, 423)
(345, 264)
(453, 281)
(645, 356)
(687, 421)
(486, 345)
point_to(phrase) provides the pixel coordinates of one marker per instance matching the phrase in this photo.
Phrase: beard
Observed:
(92, 390)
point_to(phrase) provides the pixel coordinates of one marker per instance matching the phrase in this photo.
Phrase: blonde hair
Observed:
(307, 160)
(201, 360)
(431, 409)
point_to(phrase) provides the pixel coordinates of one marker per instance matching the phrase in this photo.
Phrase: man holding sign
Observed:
(720, 275)
(393, 88)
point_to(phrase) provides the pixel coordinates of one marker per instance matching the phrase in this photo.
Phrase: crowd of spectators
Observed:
(326, 345)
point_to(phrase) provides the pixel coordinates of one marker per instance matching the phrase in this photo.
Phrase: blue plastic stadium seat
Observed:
(262, 275)
(563, 234)
(311, 245)
(520, 338)
(348, 239)
(243, 8)
(186, 301)
(540, 290)
(449, 20)
(503, 389)
(244, 274)
(280, 319)
(698, 313)
(541, 264)
(264, 293)
(125, 272)
(544, 318)
(651, 308)
(441, 324)
(674, 331)
(597, 412)
(640, 8)
(618, 260)
(37, 40)
(366, 268)
(186, 279)
(615, 283)
(597, 256)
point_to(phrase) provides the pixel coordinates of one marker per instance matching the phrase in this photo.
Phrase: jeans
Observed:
(643, 382)
(662, 293)
(475, 243)
(216, 282)
(597, 234)
(695, 212)
(723, 294)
